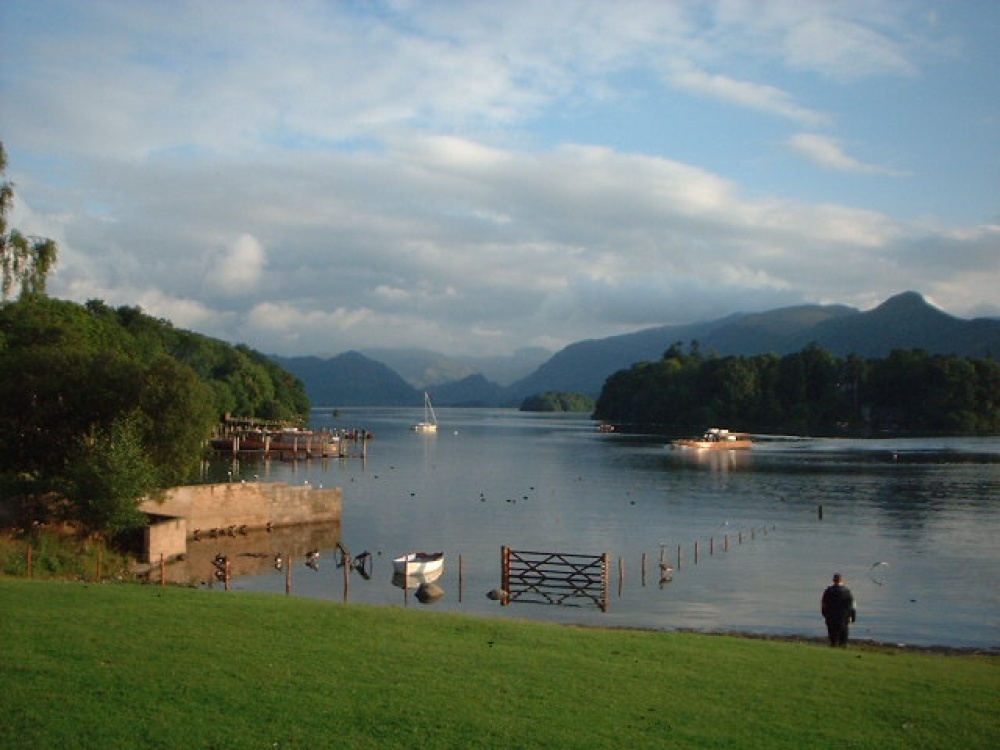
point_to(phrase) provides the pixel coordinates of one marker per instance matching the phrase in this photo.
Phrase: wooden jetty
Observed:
(238, 436)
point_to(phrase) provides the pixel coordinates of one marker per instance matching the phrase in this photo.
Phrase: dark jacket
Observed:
(838, 604)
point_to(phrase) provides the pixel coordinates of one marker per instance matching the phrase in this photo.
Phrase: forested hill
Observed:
(811, 392)
(242, 381)
(350, 379)
(100, 406)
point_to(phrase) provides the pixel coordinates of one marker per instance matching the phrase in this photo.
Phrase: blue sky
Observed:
(477, 177)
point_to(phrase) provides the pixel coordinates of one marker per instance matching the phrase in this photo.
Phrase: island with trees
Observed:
(810, 392)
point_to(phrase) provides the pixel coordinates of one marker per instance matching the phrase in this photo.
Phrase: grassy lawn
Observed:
(117, 666)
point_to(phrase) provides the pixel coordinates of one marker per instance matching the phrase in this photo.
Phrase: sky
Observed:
(313, 177)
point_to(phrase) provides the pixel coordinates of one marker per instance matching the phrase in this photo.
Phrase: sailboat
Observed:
(429, 423)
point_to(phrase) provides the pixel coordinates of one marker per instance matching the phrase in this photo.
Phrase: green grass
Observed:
(60, 555)
(101, 666)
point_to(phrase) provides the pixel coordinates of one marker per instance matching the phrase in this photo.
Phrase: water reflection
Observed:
(719, 462)
(494, 478)
(251, 553)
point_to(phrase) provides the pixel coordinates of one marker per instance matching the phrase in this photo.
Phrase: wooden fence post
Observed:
(347, 576)
(505, 574)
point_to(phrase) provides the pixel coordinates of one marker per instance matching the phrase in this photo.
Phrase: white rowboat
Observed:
(418, 564)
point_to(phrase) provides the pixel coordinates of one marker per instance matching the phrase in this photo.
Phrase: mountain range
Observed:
(398, 377)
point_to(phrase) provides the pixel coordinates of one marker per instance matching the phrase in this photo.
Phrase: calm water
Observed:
(913, 524)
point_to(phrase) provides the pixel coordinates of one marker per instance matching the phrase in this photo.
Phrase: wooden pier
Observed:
(240, 436)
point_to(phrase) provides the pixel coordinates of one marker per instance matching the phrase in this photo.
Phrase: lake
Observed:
(913, 524)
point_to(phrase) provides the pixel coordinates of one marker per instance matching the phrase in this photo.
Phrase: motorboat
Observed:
(716, 439)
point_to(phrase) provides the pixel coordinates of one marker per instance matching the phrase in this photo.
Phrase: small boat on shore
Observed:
(418, 564)
(716, 439)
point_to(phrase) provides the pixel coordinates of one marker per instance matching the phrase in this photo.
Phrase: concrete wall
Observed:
(197, 511)
(167, 537)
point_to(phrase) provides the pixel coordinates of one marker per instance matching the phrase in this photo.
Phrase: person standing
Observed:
(838, 608)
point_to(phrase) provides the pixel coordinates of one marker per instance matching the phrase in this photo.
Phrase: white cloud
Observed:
(757, 96)
(312, 177)
(847, 49)
(827, 152)
(237, 269)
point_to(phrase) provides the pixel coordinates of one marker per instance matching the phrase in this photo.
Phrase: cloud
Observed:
(843, 41)
(389, 247)
(828, 153)
(480, 177)
(761, 97)
(847, 49)
(237, 269)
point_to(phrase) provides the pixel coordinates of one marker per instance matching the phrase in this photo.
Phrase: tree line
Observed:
(101, 406)
(811, 392)
(558, 401)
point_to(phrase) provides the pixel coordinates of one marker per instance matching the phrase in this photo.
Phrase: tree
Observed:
(810, 392)
(25, 261)
(100, 406)
(110, 472)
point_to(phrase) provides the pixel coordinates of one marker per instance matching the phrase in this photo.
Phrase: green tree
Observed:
(78, 379)
(109, 472)
(810, 392)
(25, 261)
(558, 401)
(174, 413)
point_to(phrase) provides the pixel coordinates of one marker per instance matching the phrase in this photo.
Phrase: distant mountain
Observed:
(905, 321)
(423, 368)
(584, 366)
(350, 379)
(508, 369)
(474, 390)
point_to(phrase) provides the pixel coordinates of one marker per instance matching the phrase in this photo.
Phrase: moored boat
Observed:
(411, 582)
(716, 439)
(418, 564)
(429, 423)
